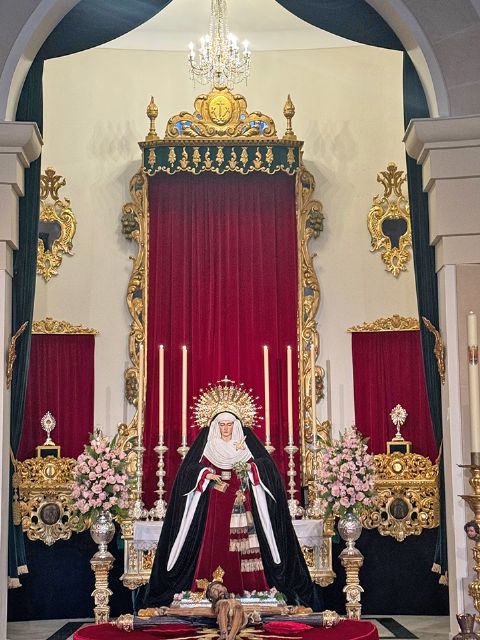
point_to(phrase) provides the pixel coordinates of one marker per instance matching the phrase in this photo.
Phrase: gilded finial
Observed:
(289, 112)
(152, 113)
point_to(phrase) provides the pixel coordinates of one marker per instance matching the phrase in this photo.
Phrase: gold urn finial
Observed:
(289, 112)
(152, 113)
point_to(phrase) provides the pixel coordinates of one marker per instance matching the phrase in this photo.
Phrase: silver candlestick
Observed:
(138, 511)
(183, 449)
(296, 511)
(160, 508)
(314, 509)
(269, 447)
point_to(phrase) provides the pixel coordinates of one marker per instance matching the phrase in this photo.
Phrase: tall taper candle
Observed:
(161, 376)
(473, 388)
(313, 392)
(267, 394)
(184, 395)
(141, 383)
(289, 395)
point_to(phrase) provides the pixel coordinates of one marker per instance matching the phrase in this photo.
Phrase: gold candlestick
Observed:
(473, 501)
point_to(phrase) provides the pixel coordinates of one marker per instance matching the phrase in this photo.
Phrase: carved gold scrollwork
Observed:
(42, 489)
(60, 327)
(12, 353)
(220, 114)
(391, 210)
(438, 349)
(393, 323)
(57, 225)
(309, 225)
(407, 496)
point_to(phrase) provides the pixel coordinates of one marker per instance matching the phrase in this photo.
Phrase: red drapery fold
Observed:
(60, 380)
(388, 370)
(222, 280)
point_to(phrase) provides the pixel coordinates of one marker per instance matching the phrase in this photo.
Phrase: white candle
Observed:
(267, 394)
(184, 396)
(314, 399)
(141, 383)
(473, 388)
(161, 374)
(289, 395)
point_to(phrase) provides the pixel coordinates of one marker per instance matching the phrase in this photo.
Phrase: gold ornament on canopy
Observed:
(225, 396)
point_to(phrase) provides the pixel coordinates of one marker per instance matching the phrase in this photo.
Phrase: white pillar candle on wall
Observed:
(161, 376)
(289, 395)
(141, 383)
(474, 393)
(267, 394)
(184, 396)
(313, 394)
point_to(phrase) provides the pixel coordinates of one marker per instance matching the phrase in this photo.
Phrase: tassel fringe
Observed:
(247, 566)
(443, 579)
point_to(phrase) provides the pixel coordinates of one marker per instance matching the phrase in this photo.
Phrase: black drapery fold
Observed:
(90, 23)
(358, 21)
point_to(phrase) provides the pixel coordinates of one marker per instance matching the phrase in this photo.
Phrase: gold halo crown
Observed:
(225, 395)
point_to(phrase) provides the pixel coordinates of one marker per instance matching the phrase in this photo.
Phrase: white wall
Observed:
(349, 112)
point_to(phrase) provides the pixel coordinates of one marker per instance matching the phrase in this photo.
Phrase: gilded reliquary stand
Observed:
(221, 135)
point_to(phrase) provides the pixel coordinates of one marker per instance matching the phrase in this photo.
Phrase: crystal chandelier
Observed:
(219, 62)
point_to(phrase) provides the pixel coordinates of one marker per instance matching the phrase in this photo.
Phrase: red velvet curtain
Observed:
(60, 380)
(388, 370)
(223, 282)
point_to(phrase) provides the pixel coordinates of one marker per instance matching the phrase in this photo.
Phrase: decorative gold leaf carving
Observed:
(407, 496)
(392, 323)
(49, 325)
(11, 353)
(56, 211)
(42, 489)
(438, 349)
(220, 114)
(391, 206)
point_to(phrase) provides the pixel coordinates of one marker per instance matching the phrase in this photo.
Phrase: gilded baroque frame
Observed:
(393, 206)
(54, 210)
(228, 140)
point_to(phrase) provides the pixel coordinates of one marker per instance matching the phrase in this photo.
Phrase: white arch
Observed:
(43, 19)
(412, 36)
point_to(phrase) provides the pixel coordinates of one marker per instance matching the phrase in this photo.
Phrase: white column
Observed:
(449, 151)
(20, 144)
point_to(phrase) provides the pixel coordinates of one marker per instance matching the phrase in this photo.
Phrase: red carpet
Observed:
(346, 630)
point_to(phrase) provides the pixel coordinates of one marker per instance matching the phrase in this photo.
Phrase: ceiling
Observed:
(265, 24)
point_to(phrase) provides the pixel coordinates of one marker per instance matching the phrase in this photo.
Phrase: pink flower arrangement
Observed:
(347, 474)
(100, 481)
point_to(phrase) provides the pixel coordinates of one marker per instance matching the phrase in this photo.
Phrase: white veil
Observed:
(224, 454)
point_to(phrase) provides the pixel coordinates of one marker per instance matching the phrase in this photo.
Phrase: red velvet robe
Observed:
(217, 528)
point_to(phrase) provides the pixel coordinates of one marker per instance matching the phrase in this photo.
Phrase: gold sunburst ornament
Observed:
(225, 395)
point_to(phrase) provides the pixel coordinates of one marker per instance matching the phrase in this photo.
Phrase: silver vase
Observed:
(350, 528)
(102, 532)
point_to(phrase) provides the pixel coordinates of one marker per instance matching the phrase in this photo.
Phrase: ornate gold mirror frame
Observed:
(221, 135)
(57, 225)
(389, 221)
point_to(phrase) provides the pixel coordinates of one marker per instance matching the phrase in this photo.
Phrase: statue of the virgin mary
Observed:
(228, 507)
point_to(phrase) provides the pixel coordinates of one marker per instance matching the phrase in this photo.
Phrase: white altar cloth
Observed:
(147, 533)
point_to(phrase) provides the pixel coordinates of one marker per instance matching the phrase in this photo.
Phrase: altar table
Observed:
(142, 539)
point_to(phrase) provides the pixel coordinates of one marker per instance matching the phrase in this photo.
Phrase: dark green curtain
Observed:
(89, 24)
(415, 106)
(358, 21)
